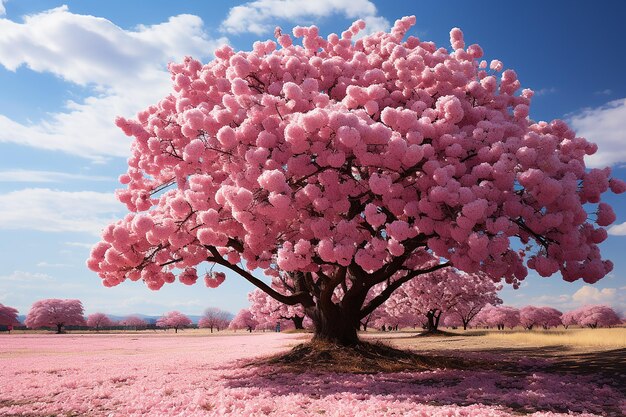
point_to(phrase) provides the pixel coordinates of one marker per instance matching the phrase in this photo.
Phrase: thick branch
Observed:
(297, 298)
(395, 265)
(386, 293)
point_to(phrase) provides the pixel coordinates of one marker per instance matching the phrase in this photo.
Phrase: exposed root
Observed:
(364, 358)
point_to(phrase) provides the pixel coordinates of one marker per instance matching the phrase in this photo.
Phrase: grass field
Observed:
(601, 338)
(196, 373)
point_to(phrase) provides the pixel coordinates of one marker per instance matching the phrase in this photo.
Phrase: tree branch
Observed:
(386, 293)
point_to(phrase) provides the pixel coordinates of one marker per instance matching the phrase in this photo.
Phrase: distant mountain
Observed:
(153, 319)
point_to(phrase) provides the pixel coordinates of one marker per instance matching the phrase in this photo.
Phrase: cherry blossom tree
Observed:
(546, 317)
(550, 317)
(134, 322)
(592, 316)
(452, 320)
(243, 320)
(348, 164)
(474, 294)
(55, 313)
(266, 309)
(445, 291)
(498, 317)
(570, 318)
(8, 316)
(98, 321)
(529, 317)
(173, 320)
(214, 318)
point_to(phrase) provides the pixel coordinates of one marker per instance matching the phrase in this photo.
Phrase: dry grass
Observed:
(605, 338)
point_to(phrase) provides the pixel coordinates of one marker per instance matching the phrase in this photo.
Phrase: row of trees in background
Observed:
(449, 297)
(58, 314)
(456, 305)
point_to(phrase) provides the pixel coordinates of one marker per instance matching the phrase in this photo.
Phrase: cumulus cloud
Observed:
(618, 229)
(592, 295)
(3, 9)
(260, 16)
(124, 69)
(606, 126)
(587, 294)
(22, 175)
(49, 210)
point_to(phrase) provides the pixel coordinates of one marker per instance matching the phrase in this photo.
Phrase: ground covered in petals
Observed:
(199, 375)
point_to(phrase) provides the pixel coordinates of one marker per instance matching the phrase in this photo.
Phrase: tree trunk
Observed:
(334, 324)
(59, 327)
(175, 329)
(297, 322)
(433, 321)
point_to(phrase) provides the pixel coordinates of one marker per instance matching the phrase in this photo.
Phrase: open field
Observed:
(194, 373)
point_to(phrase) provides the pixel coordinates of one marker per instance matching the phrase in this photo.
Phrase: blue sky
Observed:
(68, 68)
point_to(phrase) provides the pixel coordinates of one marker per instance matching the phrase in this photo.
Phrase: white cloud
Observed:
(587, 294)
(80, 244)
(52, 265)
(606, 126)
(605, 92)
(618, 229)
(125, 70)
(259, 16)
(21, 276)
(58, 211)
(592, 295)
(545, 91)
(3, 9)
(23, 175)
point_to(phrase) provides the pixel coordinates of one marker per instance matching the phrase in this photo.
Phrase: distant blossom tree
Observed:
(570, 318)
(550, 317)
(452, 320)
(55, 313)
(214, 318)
(350, 163)
(546, 317)
(174, 320)
(592, 316)
(475, 294)
(99, 320)
(498, 317)
(266, 309)
(134, 322)
(445, 291)
(243, 320)
(8, 316)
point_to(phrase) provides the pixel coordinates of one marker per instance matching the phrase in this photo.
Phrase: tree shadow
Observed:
(608, 366)
(523, 380)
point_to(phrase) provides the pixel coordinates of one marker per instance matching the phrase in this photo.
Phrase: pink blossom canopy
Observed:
(55, 313)
(173, 319)
(381, 155)
(8, 316)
